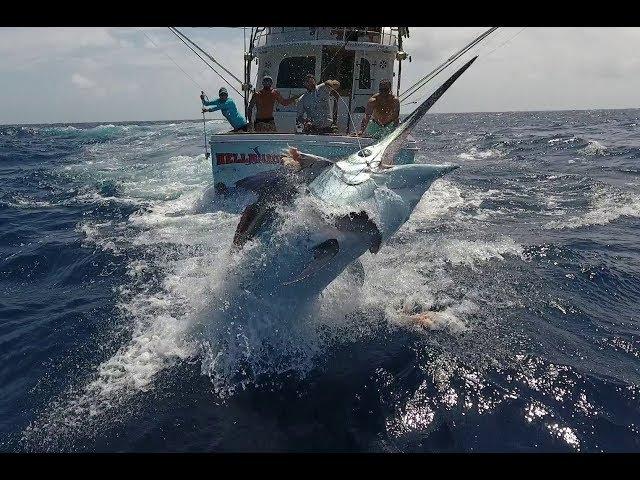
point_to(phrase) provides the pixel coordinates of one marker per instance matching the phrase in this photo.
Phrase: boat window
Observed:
(293, 70)
(337, 64)
(364, 83)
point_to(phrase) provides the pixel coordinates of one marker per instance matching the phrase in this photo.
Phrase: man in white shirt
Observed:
(314, 105)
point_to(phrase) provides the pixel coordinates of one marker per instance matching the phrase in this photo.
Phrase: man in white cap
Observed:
(264, 100)
(228, 109)
(314, 105)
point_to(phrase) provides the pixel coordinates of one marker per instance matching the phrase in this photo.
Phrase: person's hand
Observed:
(202, 96)
(204, 110)
(335, 88)
(292, 160)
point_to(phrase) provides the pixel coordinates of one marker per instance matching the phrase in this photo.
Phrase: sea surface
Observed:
(527, 258)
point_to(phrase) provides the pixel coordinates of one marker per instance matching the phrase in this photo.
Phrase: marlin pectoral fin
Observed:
(322, 255)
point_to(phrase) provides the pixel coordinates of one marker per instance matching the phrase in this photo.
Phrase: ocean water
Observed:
(527, 259)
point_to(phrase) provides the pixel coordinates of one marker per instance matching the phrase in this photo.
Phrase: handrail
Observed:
(293, 34)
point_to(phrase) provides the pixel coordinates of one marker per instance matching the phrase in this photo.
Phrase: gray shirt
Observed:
(316, 106)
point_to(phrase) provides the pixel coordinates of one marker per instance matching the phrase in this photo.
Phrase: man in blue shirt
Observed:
(228, 109)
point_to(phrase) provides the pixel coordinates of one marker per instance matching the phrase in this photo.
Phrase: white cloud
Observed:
(82, 82)
(541, 68)
(129, 78)
(25, 47)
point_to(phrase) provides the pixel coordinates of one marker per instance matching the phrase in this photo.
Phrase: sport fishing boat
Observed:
(358, 57)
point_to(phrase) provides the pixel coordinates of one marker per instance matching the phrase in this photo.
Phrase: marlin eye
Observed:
(364, 153)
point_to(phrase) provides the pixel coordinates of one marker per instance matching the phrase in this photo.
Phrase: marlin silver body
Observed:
(330, 214)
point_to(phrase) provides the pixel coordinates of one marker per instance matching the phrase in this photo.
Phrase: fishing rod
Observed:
(204, 127)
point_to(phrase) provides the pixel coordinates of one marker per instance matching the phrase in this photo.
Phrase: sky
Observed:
(67, 75)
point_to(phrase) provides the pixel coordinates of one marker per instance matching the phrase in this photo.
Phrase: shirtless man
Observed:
(382, 113)
(264, 100)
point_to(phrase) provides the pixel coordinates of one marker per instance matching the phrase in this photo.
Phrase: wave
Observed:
(99, 132)
(476, 154)
(606, 206)
(594, 147)
(475, 252)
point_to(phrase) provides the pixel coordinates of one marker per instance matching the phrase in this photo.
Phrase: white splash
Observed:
(606, 205)
(476, 154)
(594, 147)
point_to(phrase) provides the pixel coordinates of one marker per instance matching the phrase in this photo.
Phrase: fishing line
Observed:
(206, 63)
(182, 35)
(503, 44)
(477, 52)
(169, 57)
(429, 76)
(351, 119)
(334, 57)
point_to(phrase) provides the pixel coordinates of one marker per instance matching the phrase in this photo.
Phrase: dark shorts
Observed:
(265, 125)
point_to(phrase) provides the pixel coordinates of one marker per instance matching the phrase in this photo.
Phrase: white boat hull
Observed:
(240, 155)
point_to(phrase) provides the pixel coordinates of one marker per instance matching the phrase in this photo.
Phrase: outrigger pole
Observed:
(248, 58)
(429, 76)
(184, 39)
(247, 69)
(401, 55)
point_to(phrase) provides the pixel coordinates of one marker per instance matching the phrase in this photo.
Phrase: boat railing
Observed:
(283, 35)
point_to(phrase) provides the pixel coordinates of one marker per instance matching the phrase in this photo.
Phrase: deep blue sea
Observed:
(528, 257)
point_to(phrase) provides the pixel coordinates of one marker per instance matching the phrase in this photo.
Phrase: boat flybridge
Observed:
(358, 57)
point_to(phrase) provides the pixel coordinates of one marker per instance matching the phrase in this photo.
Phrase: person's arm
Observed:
(286, 101)
(396, 112)
(215, 103)
(332, 86)
(368, 111)
(300, 110)
(252, 104)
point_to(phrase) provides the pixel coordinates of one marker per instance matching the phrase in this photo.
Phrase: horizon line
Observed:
(222, 120)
